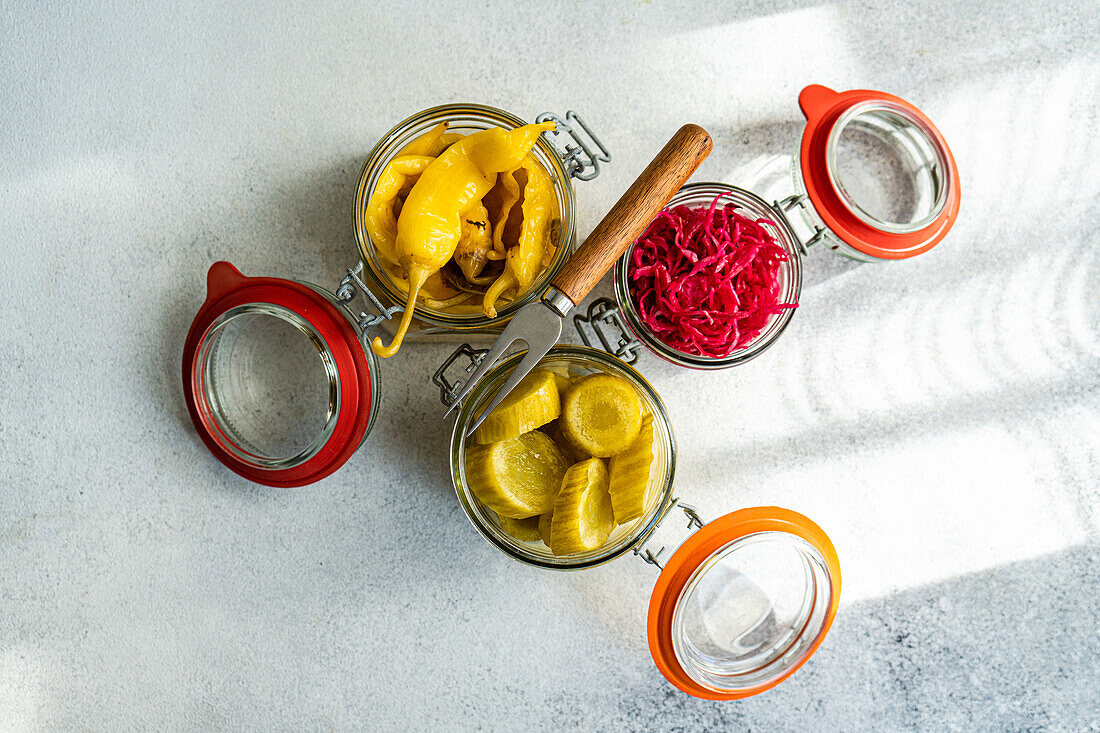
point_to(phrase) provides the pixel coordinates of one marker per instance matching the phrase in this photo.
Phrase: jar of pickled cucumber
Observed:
(874, 181)
(571, 152)
(740, 603)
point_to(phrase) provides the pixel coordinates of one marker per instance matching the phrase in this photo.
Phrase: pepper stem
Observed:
(417, 275)
(506, 280)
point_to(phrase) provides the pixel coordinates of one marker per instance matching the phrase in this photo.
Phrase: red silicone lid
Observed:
(227, 288)
(823, 108)
(706, 542)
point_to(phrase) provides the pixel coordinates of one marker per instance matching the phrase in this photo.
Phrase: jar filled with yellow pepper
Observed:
(474, 223)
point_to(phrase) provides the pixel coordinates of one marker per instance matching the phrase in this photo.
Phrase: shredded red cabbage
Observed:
(706, 281)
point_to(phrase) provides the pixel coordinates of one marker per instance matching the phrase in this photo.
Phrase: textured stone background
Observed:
(940, 417)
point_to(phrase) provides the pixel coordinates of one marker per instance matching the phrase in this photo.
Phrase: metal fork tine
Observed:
(503, 342)
(530, 359)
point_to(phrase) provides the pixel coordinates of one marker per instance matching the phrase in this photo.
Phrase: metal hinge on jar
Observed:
(658, 557)
(605, 311)
(448, 391)
(583, 159)
(801, 201)
(351, 285)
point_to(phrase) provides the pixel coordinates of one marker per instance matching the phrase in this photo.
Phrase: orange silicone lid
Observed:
(695, 551)
(823, 108)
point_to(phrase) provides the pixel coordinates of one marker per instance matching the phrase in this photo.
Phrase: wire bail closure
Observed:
(583, 159)
(449, 390)
(351, 285)
(694, 522)
(606, 311)
(802, 201)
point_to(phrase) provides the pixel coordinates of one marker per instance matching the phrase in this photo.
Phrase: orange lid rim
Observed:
(694, 552)
(823, 108)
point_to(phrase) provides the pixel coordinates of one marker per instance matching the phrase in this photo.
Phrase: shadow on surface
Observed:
(312, 220)
(1011, 648)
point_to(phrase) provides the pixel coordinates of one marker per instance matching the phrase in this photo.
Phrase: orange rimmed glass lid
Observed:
(743, 603)
(877, 171)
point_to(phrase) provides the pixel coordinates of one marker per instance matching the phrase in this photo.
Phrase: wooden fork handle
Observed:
(632, 213)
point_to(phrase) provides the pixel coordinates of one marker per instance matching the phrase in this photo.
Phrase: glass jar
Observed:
(575, 360)
(579, 159)
(790, 278)
(278, 374)
(874, 181)
(740, 603)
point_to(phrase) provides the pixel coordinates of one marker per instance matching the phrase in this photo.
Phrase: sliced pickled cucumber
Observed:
(572, 452)
(563, 383)
(601, 414)
(519, 477)
(534, 402)
(630, 474)
(583, 517)
(525, 530)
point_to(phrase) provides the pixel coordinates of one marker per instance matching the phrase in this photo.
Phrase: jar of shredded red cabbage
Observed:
(713, 279)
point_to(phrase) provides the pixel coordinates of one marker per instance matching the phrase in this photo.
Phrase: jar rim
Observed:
(939, 163)
(705, 192)
(515, 548)
(225, 434)
(384, 151)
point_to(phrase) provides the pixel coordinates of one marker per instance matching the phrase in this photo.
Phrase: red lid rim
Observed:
(228, 292)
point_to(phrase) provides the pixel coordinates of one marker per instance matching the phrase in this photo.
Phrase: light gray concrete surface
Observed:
(940, 417)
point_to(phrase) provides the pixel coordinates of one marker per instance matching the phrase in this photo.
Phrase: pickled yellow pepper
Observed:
(428, 143)
(472, 253)
(430, 224)
(407, 165)
(525, 260)
(511, 196)
(380, 221)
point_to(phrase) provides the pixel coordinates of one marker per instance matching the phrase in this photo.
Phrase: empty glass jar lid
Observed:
(877, 171)
(743, 603)
(275, 378)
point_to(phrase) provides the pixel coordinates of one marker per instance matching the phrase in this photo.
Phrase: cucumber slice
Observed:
(519, 477)
(563, 383)
(583, 517)
(572, 452)
(524, 530)
(534, 402)
(601, 414)
(630, 475)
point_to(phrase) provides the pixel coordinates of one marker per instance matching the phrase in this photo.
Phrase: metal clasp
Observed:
(583, 159)
(782, 207)
(606, 311)
(694, 522)
(449, 390)
(351, 285)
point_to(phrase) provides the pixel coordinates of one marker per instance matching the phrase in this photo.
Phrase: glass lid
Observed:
(275, 378)
(271, 383)
(743, 603)
(886, 168)
(877, 171)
